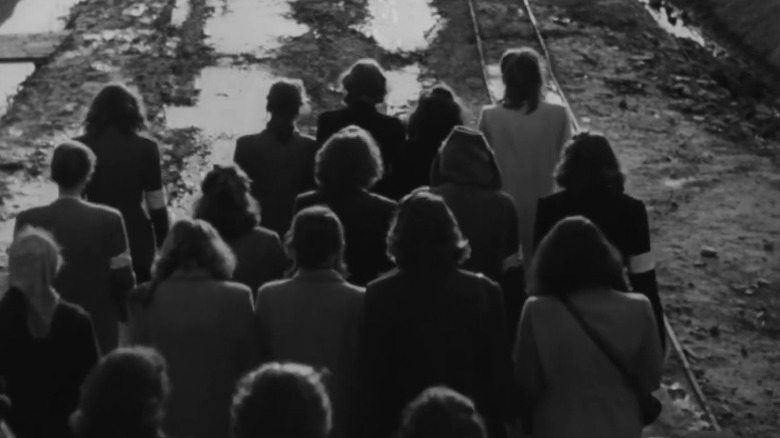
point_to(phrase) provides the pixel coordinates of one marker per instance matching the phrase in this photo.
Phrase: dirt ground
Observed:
(698, 139)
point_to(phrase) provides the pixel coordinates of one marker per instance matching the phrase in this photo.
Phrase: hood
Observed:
(465, 158)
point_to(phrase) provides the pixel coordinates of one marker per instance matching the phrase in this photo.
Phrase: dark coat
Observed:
(388, 132)
(259, 258)
(366, 218)
(412, 168)
(445, 329)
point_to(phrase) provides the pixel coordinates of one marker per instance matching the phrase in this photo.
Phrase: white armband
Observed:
(155, 200)
(639, 264)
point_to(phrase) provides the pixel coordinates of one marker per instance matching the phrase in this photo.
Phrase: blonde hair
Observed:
(33, 260)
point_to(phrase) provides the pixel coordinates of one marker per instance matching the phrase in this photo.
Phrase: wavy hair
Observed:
(350, 160)
(589, 163)
(441, 412)
(575, 256)
(316, 239)
(364, 81)
(115, 106)
(226, 202)
(424, 235)
(523, 73)
(438, 111)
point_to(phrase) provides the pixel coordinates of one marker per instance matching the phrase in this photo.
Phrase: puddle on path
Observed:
(251, 26)
(402, 25)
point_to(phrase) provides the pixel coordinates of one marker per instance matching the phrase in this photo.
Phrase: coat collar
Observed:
(319, 275)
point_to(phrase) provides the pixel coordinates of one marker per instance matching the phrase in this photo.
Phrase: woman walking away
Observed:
(47, 345)
(430, 323)
(201, 323)
(527, 135)
(281, 400)
(128, 174)
(365, 85)
(437, 112)
(124, 396)
(347, 167)
(440, 412)
(226, 204)
(313, 317)
(279, 160)
(586, 349)
(593, 186)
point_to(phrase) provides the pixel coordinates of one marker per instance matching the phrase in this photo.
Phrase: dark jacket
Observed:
(279, 170)
(44, 376)
(621, 218)
(92, 238)
(366, 218)
(412, 168)
(259, 258)
(445, 329)
(388, 132)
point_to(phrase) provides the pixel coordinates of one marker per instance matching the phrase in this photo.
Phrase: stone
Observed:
(709, 252)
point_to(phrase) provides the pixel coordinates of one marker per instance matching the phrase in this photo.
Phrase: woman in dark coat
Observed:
(346, 168)
(128, 174)
(47, 345)
(593, 186)
(430, 323)
(366, 87)
(226, 204)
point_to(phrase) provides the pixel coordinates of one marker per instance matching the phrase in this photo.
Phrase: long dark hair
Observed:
(118, 107)
(226, 203)
(315, 238)
(438, 111)
(589, 163)
(573, 257)
(365, 81)
(523, 73)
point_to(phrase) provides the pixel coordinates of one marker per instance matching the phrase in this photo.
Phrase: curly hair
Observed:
(191, 244)
(72, 164)
(349, 160)
(573, 257)
(438, 111)
(285, 98)
(115, 106)
(226, 202)
(523, 73)
(441, 412)
(124, 396)
(424, 235)
(281, 401)
(316, 239)
(589, 163)
(364, 81)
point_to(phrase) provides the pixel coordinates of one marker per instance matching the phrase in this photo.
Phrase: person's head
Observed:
(316, 240)
(424, 236)
(115, 106)
(124, 396)
(440, 412)
(365, 82)
(466, 158)
(285, 99)
(281, 401)
(33, 263)
(589, 163)
(72, 165)
(349, 160)
(523, 73)
(193, 244)
(438, 111)
(226, 202)
(573, 257)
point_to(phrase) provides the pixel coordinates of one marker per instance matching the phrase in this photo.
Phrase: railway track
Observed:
(541, 44)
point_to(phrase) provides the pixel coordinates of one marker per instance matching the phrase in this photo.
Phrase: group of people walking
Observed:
(414, 278)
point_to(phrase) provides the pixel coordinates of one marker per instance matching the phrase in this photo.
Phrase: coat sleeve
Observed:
(566, 131)
(528, 366)
(247, 354)
(543, 223)
(122, 276)
(649, 362)
(82, 357)
(500, 371)
(263, 326)
(324, 129)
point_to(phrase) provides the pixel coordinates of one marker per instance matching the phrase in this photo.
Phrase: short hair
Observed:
(115, 106)
(124, 396)
(441, 412)
(72, 164)
(316, 237)
(285, 98)
(424, 235)
(364, 81)
(281, 401)
(523, 73)
(349, 160)
(438, 111)
(226, 202)
(575, 256)
(589, 163)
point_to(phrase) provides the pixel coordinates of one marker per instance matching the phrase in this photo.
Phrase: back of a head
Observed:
(316, 239)
(522, 71)
(350, 160)
(118, 107)
(437, 112)
(226, 202)
(588, 163)
(573, 257)
(441, 413)
(33, 260)
(124, 396)
(365, 81)
(285, 99)
(281, 401)
(72, 164)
